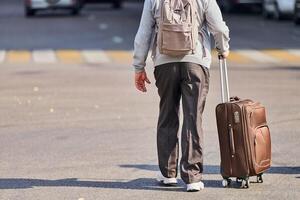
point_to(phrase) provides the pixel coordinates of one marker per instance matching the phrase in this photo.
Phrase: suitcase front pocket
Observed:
(262, 146)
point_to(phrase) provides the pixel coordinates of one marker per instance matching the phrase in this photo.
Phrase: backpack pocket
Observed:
(176, 39)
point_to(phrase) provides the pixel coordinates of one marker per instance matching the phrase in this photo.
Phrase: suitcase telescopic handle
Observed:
(224, 79)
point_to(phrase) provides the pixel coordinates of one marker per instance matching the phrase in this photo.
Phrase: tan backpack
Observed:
(177, 27)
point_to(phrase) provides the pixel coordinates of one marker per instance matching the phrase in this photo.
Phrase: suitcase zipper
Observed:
(231, 138)
(247, 140)
(228, 120)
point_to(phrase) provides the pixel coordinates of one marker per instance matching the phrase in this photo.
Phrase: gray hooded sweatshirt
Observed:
(210, 20)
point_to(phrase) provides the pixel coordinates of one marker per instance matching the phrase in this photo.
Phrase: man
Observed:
(186, 77)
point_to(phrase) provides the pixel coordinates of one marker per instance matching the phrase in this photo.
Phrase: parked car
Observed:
(116, 3)
(297, 12)
(278, 9)
(31, 6)
(230, 5)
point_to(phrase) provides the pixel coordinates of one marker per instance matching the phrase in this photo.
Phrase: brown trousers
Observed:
(190, 82)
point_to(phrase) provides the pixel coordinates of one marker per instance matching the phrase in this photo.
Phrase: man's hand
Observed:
(140, 79)
(225, 54)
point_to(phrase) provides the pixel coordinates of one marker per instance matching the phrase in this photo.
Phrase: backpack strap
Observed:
(154, 41)
(194, 23)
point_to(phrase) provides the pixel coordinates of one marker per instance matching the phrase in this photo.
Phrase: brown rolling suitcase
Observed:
(244, 136)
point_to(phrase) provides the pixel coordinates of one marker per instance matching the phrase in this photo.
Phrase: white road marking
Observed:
(258, 56)
(100, 56)
(294, 52)
(2, 56)
(95, 56)
(44, 56)
(103, 26)
(117, 39)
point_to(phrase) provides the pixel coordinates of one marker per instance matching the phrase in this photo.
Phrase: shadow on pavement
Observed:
(137, 184)
(289, 68)
(214, 169)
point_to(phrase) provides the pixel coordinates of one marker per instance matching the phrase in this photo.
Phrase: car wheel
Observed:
(277, 13)
(297, 19)
(266, 14)
(29, 12)
(226, 6)
(76, 9)
(117, 4)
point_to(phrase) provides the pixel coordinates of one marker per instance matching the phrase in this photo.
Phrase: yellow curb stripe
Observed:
(258, 57)
(214, 54)
(214, 57)
(283, 55)
(120, 56)
(18, 57)
(95, 56)
(125, 57)
(236, 57)
(69, 56)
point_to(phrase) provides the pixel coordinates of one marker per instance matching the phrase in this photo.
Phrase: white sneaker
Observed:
(166, 181)
(195, 187)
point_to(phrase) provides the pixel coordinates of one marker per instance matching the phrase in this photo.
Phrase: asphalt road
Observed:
(100, 27)
(78, 131)
(81, 131)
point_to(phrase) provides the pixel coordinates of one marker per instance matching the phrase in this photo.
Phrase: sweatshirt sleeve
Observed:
(217, 26)
(143, 37)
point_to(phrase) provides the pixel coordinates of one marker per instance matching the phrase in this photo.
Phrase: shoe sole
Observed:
(193, 190)
(167, 184)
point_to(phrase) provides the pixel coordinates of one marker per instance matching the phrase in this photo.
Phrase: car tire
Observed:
(77, 8)
(296, 16)
(297, 20)
(75, 11)
(226, 6)
(277, 13)
(117, 4)
(29, 12)
(266, 14)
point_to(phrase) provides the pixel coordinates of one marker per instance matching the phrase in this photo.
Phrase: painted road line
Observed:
(69, 56)
(238, 58)
(44, 56)
(294, 52)
(120, 56)
(95, 56)
(283, 55)
(288, 56)
(258, 56)
(18, 57)
(2, 56)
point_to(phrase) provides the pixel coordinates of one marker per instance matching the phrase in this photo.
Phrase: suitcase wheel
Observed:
(260, 179)
(245, 183)
(226, 182)
(238, 180)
